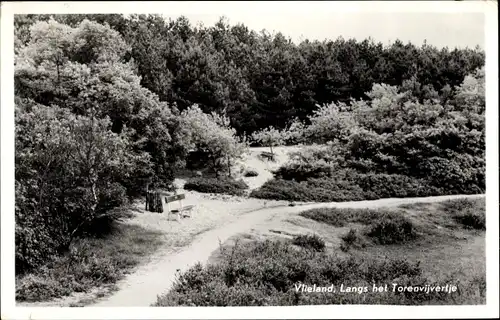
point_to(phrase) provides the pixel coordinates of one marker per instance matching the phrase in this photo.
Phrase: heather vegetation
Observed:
(381, 247)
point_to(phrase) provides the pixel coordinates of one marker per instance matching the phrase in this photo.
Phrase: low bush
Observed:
(216, 185)
(270, 273)
(313, 242)
(339, 217)
(345, 185)
(352, 239)
(395, 185)
(320, 190)
(471, 214)
(303, 171)
(251, 173)
(392, 230)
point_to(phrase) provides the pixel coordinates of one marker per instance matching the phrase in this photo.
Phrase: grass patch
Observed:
(266, 273)
(309, 241)
(457, 214)
(90, 263)
(216, 185)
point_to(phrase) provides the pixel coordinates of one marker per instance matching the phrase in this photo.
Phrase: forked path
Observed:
(141, 288)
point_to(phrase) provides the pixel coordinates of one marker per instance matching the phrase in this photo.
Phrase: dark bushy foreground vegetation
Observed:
(352, 239)
(89, 263)
(217, 185)
(265, 274)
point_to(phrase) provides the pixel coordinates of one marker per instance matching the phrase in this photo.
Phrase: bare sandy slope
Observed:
(142, 287)
(252, 160)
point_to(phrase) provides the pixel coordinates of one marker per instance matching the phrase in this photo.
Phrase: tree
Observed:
(89, 137)
(331, 122)
(83, 69)
(68, 170)
(270, 137)
(212, 134)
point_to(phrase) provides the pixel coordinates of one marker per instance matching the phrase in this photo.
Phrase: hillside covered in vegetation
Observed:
(107, 105)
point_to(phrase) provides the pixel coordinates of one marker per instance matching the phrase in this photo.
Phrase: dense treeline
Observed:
(260, 80)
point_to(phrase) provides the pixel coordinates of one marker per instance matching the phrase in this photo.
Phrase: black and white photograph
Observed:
(170, 156)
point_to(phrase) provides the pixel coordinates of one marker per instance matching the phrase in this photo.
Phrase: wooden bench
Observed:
(268, 155)
(181, 212)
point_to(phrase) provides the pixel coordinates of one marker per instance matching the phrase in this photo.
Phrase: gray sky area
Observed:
(440, 29)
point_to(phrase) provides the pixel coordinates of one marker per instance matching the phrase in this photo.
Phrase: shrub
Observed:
(251, 173)
(313, 242)
(320, 190)
(214, 185)
(269, 137)
(344, 185)
(303, 171)
(392, 230)
(386, 227)
(395, 185)
(213, 138)
(60, 189)
(351, 239)
(339, 217)
(469, 213)
(472, 221)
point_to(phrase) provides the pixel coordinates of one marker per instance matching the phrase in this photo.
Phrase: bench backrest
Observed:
(176, 197)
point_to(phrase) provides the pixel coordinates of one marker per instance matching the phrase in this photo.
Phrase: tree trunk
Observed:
(154, 203)
(147, 196)
(214, 161)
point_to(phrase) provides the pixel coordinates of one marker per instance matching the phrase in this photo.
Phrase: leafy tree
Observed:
(67, 172)
(212, 134)
(331, 122)
(82, 69)
(270, 137)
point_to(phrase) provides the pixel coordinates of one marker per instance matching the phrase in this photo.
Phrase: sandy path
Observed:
(142, 287)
